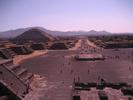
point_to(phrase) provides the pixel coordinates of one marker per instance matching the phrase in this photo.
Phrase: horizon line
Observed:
(13, 29)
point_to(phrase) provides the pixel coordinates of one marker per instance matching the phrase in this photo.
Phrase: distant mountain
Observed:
(13, 33)
(34, 35)
(17, 32)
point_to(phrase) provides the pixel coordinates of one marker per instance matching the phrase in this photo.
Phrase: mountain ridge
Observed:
(19, 31)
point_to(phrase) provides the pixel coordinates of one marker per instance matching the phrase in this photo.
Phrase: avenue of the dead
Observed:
(76, 68)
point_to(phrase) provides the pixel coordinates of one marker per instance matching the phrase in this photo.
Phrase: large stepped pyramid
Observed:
(34, 35)
(15, 78)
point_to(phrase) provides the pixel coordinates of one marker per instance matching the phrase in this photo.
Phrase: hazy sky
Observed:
(64, 15)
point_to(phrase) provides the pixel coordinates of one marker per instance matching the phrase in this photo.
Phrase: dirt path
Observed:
(19, 58)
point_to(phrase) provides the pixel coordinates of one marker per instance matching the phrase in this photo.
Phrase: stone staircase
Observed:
(5, 53)
(15, 78)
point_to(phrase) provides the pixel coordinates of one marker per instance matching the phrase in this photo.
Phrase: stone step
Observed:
(16, 69)
(6, 62)
(5, 53)
(28, 78)
(21, 72)
(11, 52)
(4, 98)
(13, 67)
(12, 80)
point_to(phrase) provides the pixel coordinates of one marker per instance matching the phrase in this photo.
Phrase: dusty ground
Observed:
(60, 69)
